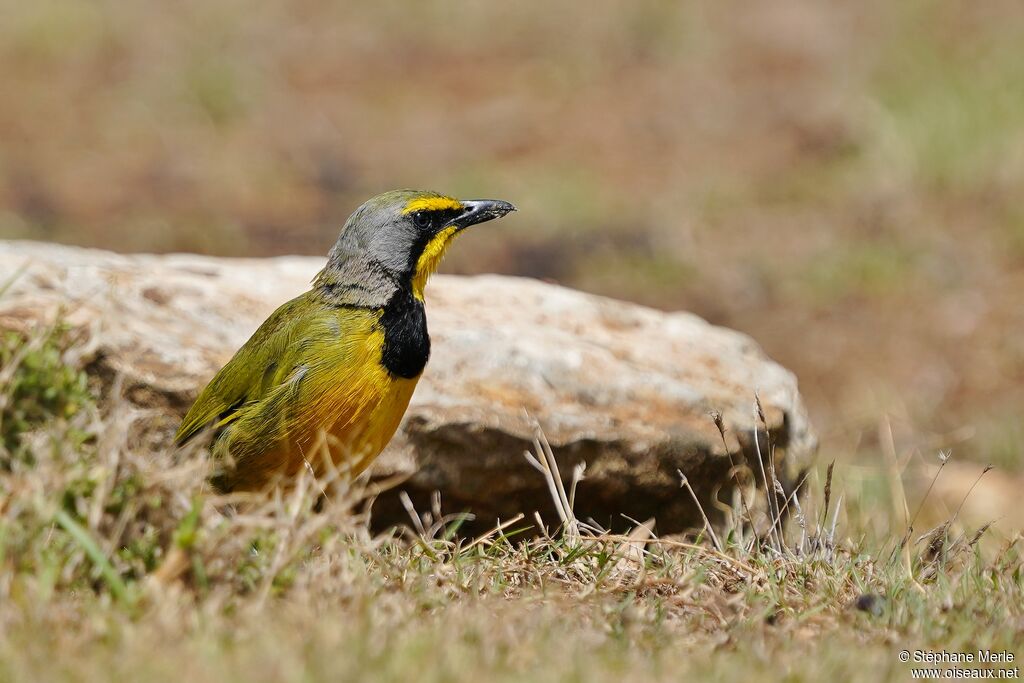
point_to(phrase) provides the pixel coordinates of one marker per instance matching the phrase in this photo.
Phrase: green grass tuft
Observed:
(36, 388)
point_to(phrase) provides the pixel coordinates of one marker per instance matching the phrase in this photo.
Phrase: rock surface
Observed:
(623, 388)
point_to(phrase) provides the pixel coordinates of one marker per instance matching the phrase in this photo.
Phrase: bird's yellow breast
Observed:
(342, 406)
(358, 407)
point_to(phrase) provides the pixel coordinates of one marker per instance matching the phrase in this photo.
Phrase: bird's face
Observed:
(405, 233)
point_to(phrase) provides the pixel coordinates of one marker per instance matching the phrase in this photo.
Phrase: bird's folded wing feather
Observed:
(250, 373)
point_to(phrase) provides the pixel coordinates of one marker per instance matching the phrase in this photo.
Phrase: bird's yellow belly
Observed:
(340, 418)
(353, 444)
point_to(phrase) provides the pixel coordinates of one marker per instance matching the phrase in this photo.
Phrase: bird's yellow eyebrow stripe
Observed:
(432, 204)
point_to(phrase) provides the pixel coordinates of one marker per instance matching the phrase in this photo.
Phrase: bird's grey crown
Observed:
(371, 259)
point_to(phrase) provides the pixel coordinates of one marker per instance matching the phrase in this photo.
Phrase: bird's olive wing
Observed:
(249, 374)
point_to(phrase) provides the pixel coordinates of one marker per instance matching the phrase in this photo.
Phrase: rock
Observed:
(623, 388)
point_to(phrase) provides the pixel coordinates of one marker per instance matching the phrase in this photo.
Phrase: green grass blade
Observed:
(86, 542)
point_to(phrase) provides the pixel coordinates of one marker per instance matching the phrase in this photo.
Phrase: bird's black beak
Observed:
(482, 210)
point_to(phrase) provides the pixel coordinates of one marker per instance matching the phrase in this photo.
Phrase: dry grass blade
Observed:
(935, 550)
(827, 495)
(498, 528)
(794, 497)
(979, 533)
(986, 470)
(944, 457)
(734, 471)
(631, 551)
(685, 483)
(413, 515)
(543, 460)
(800, 520)
(577, 476)
(835, 522)
(774, 533)
(776, 485)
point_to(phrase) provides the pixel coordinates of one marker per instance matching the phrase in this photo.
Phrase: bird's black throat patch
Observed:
(406, 342)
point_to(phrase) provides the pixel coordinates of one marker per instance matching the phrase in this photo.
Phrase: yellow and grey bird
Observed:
(332, 371)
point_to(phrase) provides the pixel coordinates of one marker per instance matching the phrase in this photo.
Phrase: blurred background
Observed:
(840, 180)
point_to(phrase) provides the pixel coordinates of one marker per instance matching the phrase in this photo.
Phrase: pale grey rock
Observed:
(624, 388)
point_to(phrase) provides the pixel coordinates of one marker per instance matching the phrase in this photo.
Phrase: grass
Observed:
(126, 564)
(37, 388)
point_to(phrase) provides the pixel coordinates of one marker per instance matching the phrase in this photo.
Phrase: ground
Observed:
(119, 564)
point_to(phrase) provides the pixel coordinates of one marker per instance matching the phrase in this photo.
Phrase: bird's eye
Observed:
(421, 219)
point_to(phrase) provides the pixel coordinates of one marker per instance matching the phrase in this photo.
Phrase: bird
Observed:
(333, 370)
